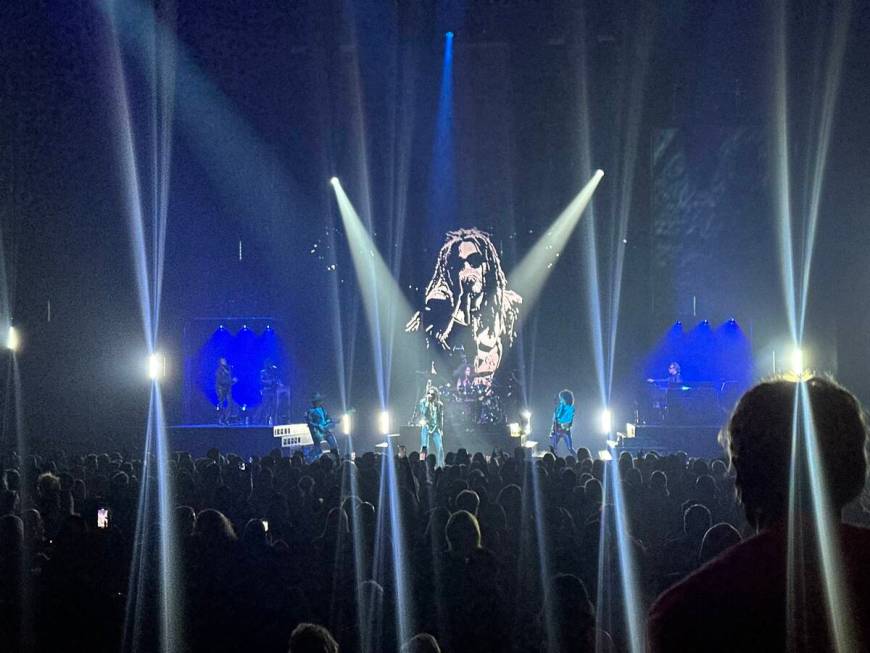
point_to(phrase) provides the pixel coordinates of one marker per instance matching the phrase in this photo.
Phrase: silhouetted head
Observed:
(759, 439)
(311, 638)
(421, 643)
(463, 533)
(696, 521)
(716, 540)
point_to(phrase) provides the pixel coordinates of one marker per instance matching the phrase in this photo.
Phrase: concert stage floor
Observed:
(698, 441)
(246, 441)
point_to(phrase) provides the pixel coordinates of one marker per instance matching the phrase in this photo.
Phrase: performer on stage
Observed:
(674, 375)
(320, 425)
(563, 420)
(270, 383)
(223, 384)
(432, 424)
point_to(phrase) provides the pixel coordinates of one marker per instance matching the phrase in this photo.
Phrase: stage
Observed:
(700, 441)
(246, 441)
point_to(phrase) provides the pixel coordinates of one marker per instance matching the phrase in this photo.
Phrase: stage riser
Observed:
(247, 441)
(697, 441)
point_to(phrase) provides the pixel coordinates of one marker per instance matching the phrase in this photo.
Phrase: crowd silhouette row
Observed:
(497, 552)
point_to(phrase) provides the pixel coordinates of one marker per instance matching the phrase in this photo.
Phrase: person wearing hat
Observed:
(320, 424)
(223, 386)
(270, 387)
(432, 423)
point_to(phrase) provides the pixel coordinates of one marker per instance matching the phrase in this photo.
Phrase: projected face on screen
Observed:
(467, 304)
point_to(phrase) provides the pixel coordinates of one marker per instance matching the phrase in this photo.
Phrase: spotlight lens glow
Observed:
(346, 424)
(334, 181)
(384, 422)
(449, 35)
(155, 366)
(526, 414)
(606, 421)
(797, 361)
(12, 340)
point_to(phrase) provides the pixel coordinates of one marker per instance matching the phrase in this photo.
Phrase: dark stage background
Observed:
(271, 100)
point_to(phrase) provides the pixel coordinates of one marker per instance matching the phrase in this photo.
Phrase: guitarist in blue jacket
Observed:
(320, 424)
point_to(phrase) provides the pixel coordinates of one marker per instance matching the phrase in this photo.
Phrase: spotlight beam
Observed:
(132, 191)
(383, 301)
(529, 276)
(374, 278)
(796, 231)
(159, 54)
(797, 225)
(832, 76)
(627, 567)
(807, 481)
(589, 238)
(631, 121)
(442, 177)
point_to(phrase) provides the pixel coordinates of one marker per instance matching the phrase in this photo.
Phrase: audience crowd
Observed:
(497, 552)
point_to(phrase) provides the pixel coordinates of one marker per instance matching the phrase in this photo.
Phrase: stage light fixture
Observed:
(156, 366)
(606, 422)
(346, 424)
(530, 444)
(527, 418)
(12, 340)
(449, 35)
(334, 181)
(605, 455)
(384, 422)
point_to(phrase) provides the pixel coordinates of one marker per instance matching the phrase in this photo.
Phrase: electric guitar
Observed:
(320, 431)
(560, 430)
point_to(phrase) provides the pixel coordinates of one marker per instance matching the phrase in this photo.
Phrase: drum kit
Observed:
(470, 401)
(472, 404)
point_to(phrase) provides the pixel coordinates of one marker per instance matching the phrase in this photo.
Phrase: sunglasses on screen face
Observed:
(474, 260)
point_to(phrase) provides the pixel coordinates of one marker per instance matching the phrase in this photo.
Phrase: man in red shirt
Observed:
(777, 591)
